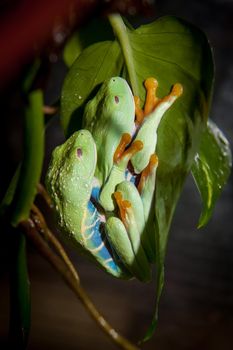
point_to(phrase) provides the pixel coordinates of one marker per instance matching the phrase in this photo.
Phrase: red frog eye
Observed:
(116, 99)
(79, 152)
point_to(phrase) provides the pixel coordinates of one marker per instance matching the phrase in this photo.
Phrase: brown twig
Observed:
(64, 266)
(44, 194)
(49, 110)
(42, 227)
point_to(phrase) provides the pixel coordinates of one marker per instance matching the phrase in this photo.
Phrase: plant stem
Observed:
(20, 302)
(70, 278)
(120, 31)
(30, 170)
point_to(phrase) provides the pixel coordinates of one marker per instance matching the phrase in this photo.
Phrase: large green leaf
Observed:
(173, 51)
(96, 63)
(211, 168)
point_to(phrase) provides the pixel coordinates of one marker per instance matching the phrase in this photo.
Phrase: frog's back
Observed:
(107, 116)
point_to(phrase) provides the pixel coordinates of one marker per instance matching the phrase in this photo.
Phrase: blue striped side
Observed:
(97, 241)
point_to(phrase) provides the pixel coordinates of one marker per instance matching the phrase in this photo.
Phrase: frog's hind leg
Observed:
(147, 130)
(132, 216)
(97, 245)
(118, 237)
(149, 169)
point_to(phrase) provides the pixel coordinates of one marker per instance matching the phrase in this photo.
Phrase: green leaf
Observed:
(96, 63)
(172, 51)
(72, 49)
(96, 30)
(31, 166)
(211, 168)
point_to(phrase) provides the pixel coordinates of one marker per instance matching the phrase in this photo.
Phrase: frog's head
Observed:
(117, 95)
(77, 156)
(114, 98)
(72, 163)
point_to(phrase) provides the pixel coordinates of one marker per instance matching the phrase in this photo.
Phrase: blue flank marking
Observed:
(97, 240)
(95, 194)
(132, 178)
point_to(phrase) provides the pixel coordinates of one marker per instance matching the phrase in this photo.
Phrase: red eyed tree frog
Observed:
(115, 154)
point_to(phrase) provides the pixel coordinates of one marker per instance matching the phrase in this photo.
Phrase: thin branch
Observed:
(49, 110)
(42, 227)
(67, 273)
(44, 194)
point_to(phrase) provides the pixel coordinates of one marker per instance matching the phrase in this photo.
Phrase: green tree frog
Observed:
(69, 182)
(108, 116)
(102, 179)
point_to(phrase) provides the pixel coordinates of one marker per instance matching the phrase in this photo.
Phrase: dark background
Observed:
(197, 303)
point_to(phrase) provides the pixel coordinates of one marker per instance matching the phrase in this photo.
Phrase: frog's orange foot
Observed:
(122, 153)
(124, 142)
(123, 206)
(151, 85)
(176, 92)
(153, 162)
(152, 100)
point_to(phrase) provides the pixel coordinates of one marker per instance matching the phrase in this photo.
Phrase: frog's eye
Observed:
(116, 99)
(79, 153)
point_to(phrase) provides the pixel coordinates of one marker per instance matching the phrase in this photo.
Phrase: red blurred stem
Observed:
(29, 26)
(26, 29)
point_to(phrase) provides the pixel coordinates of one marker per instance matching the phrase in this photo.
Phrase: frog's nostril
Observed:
(116, 99)
(79, 152)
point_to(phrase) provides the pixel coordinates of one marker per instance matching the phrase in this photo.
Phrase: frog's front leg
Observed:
(148, 121)
(117, 175)
(126, 233)
(146, 188)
